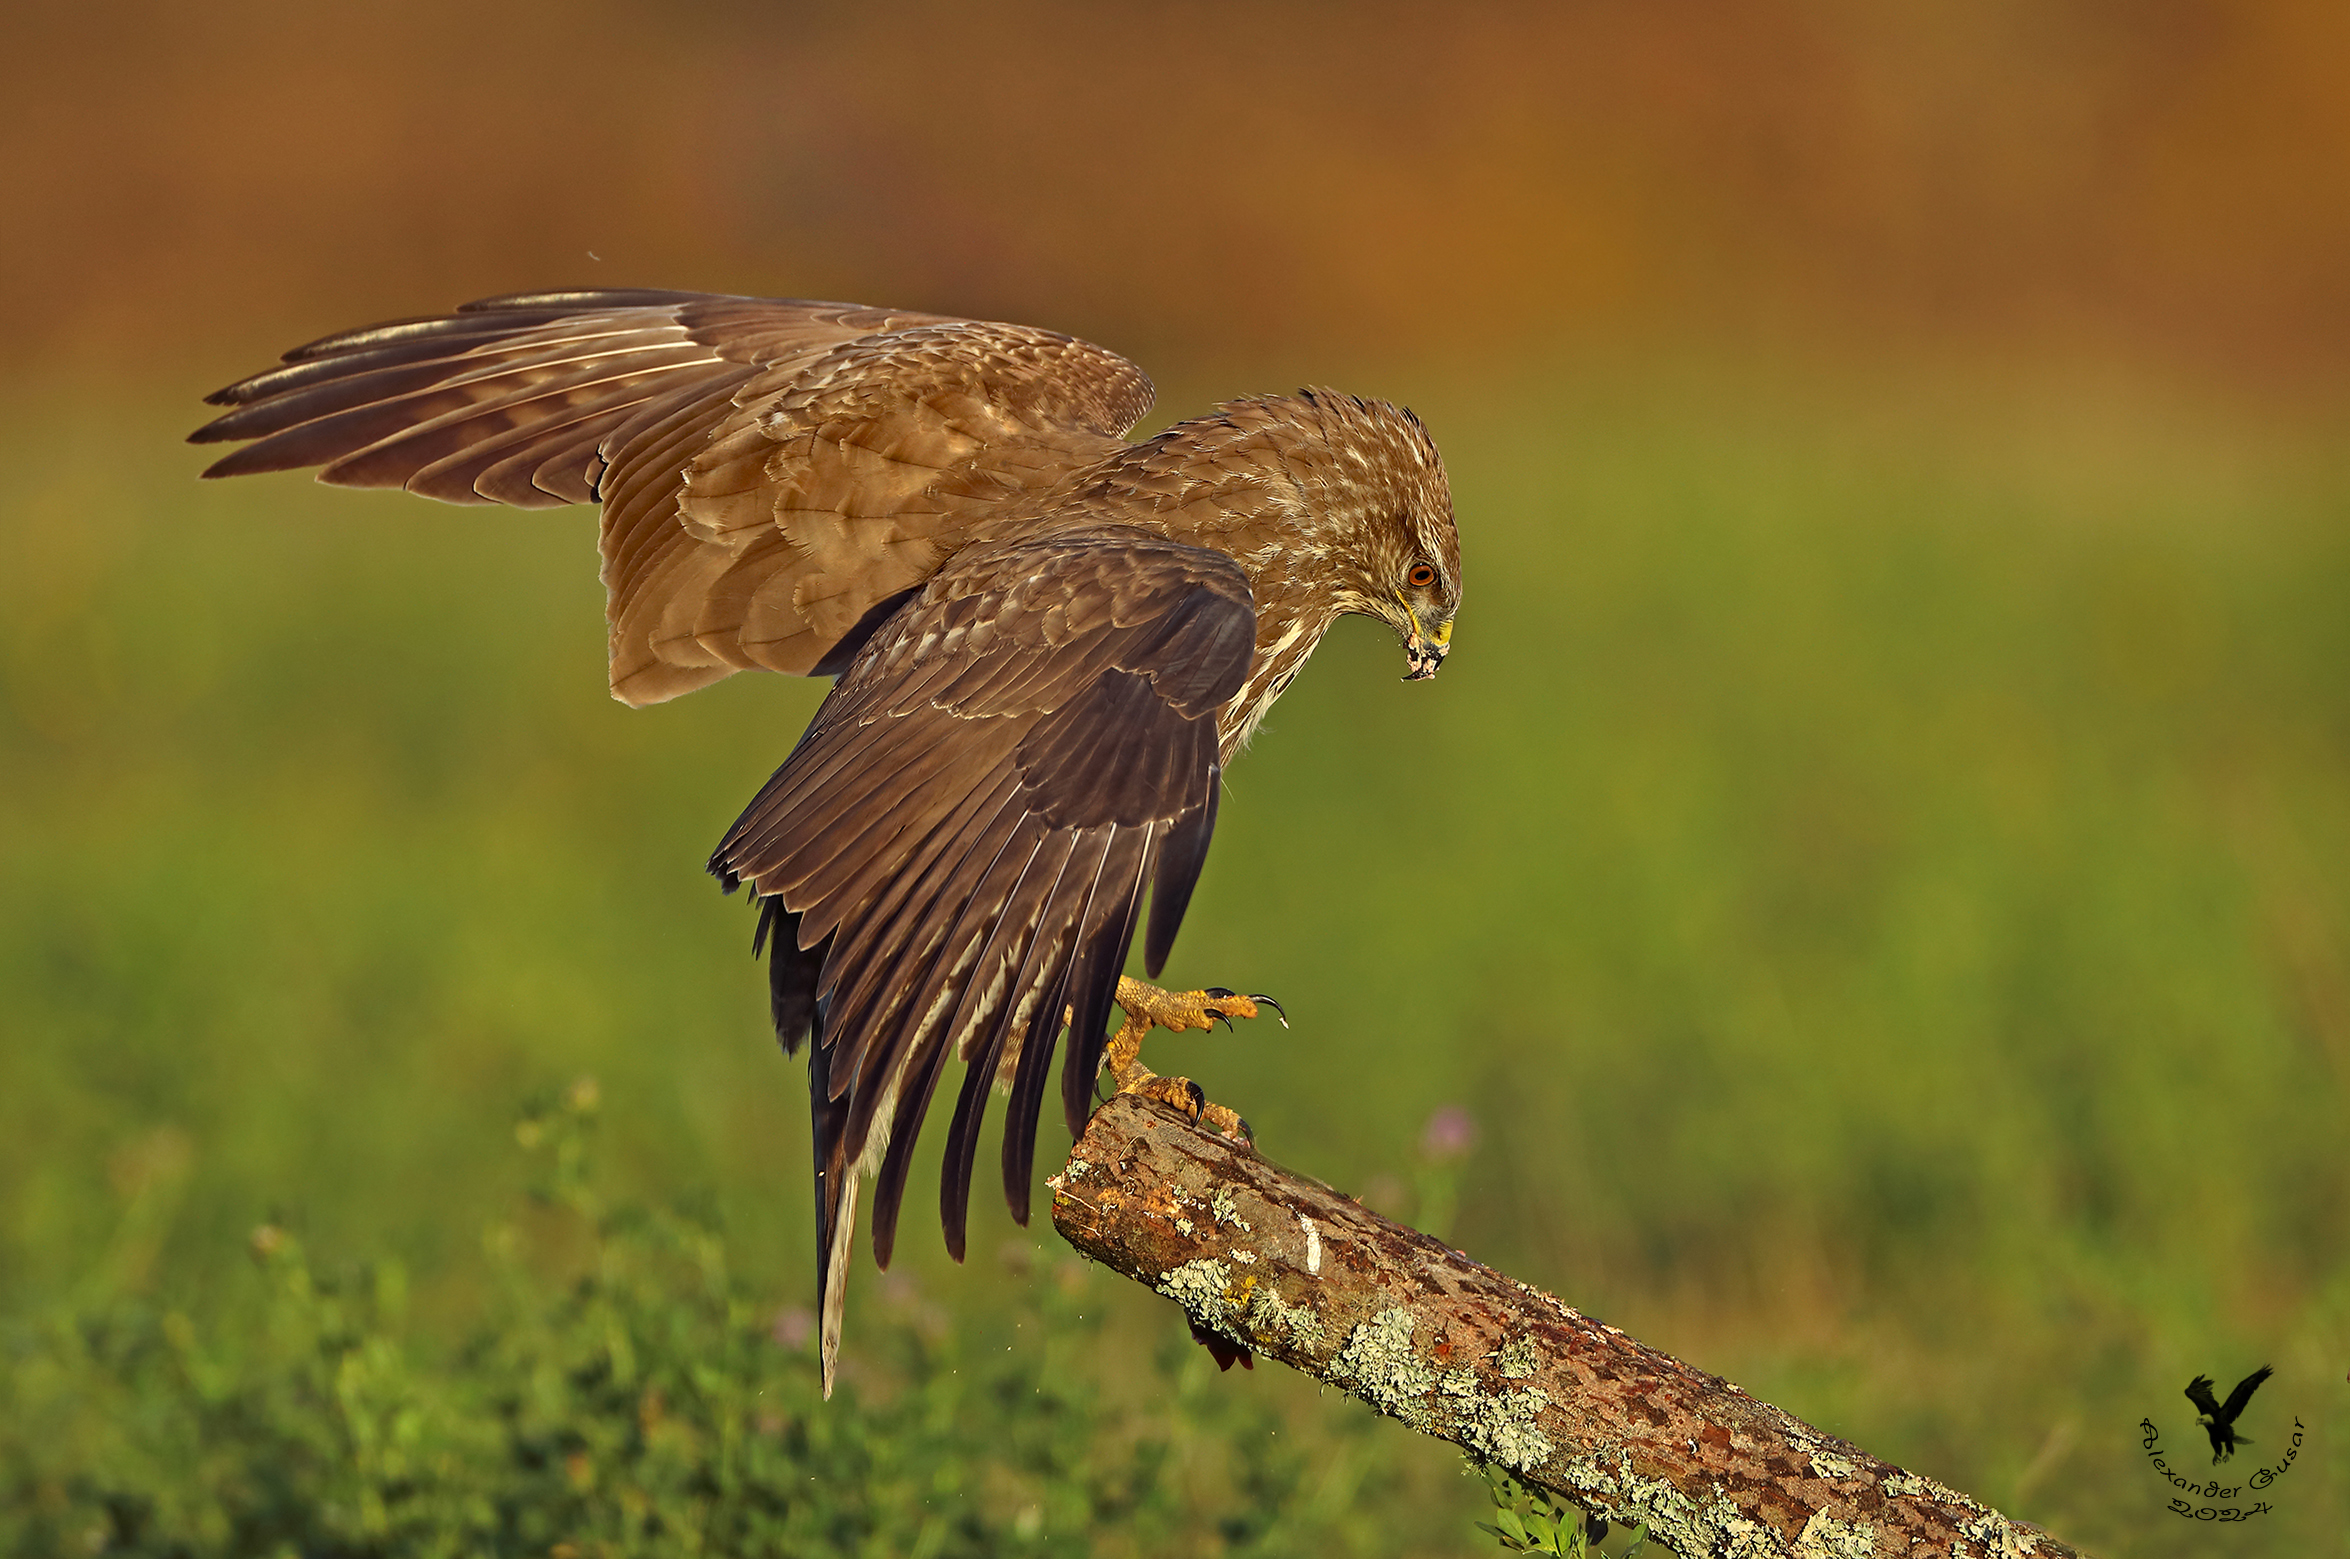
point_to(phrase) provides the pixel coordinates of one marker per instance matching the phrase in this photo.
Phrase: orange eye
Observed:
(1421, 577)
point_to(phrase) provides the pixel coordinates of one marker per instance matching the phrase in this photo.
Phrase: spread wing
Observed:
(2241, 1397)
(770, 469)
(2199, 1393)
(957, 850)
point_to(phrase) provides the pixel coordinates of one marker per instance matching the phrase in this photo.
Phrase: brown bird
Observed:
(1050, 641)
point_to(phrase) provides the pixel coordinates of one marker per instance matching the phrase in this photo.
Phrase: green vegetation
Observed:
(1529, 1520)
(642, 1402)
(1876, 870)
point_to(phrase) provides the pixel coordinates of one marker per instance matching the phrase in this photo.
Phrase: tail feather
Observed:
(791, 972)
(833, 1288)
(836, 1197)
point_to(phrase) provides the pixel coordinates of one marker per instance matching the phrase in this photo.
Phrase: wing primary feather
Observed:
(377, 443)
(1019, 911)
(1181, 857)
(962, 1148)
(581, 300)
(872, 970)
(831, 774)
(1047, 965)
(802, 797)
(1123, 871)
(876, 949)
(571, 472)
(969, 1113)
(1023, 1110)
(503, 317)
(306, 392)
(1095, 993)
(378, 347)
(384, 445)
(486, 466)
(835, 842)
(748, 842)
(936, 1041)
(888, 1052)
(906, 1122)
(1027, 919)
(311, 390)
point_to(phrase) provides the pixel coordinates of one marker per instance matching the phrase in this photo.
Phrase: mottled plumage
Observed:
(1049, 641)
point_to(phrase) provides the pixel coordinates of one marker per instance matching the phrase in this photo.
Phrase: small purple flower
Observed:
(1449, 1135)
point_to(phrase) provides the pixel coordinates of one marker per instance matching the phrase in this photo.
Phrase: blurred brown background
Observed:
(2161, 177)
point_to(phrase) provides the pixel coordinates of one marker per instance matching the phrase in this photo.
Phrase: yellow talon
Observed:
(1147, 1006)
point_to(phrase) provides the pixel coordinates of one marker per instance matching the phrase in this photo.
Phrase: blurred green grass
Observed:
(1877, 869)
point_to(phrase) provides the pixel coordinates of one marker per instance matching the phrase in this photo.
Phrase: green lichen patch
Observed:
(1272, 1316)
(1672, 1518)
(1200, 1287)
(1225, 1212)
(1381, 1368)
(1384, 1369)
(1501, 1427)
(1910, 1485)
(1829, 1465)
(2000, 1537)
(1516, 1359)
(1825, 1537)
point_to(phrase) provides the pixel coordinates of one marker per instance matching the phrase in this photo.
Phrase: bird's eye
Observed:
(1421, 577)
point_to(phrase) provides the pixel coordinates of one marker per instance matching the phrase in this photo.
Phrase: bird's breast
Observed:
(1277, 660)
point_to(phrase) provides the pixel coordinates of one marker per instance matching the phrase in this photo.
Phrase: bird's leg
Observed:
(1148, 1006)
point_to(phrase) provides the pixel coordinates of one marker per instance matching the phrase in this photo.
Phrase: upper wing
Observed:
(2242, 1395)
(2199, 1393)
(959, 845)
(770, 469)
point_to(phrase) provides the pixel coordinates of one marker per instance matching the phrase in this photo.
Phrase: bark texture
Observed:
(1303, 1274)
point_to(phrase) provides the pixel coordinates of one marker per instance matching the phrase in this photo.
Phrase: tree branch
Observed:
(1302, 1274)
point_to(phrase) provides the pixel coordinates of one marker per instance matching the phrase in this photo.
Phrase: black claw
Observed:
(1199, 1097)
(1219, 992)
(1247, 1133)
(1276, 1006)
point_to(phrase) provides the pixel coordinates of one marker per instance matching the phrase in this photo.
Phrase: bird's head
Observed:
(1380, 490)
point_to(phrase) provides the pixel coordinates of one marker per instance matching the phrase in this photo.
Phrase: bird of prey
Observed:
(2219, 1419)
(1049, 642)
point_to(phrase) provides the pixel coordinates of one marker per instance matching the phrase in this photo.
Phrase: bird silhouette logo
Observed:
(2219, 1419)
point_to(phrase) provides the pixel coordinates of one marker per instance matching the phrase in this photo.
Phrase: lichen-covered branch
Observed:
(1307, 1276)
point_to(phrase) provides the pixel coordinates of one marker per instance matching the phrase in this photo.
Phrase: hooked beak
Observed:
(1424, 649)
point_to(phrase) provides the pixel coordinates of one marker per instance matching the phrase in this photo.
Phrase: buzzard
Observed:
(1048, 640)
(2219, 1420)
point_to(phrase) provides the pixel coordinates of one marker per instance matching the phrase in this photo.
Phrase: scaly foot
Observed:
(1146, 1006)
